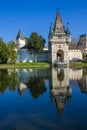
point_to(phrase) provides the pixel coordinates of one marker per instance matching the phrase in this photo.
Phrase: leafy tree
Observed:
(36, 43)
(12, 53)
(73, 46)
(74, 42)
(3, 52)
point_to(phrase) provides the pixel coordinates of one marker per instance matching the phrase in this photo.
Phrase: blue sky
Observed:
(36, 15)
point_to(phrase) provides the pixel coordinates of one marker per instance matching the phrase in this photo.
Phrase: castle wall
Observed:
(23, 55)
(43, 56)
(75, 55)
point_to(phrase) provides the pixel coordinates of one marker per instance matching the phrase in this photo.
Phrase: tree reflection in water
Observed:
(36, 86)
(9, 80)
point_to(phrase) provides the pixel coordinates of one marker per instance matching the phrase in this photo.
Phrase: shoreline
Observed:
(41, 65)
(26, 65)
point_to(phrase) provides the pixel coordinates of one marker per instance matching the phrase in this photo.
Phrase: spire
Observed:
(51, 29)
(67, 29)
(58, 16)
(58, 27)
(19, 35)
(58, 10)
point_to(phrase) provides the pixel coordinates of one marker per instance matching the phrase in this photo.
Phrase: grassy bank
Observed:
(78, 65)
(40, 65)
(26, 65)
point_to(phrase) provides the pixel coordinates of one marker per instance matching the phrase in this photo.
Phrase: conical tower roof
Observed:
(19, 35)
(58, 17)
(58, 27)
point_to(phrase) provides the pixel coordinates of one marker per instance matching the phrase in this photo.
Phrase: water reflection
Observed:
(23, 79)
(8, 79)
(39, 98)
(82, 82)
(60, 91)
(34, 80)
(80, 76)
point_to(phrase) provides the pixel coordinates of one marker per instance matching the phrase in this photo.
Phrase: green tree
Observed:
(73, 46)
(3, 52)
(74, 42)
(12, 52)
(36, 43)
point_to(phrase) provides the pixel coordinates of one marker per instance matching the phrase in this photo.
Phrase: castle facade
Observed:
(58, 51)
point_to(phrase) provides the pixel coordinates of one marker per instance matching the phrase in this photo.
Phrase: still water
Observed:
(43, 99)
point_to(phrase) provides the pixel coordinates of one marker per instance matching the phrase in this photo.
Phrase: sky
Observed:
(36, 15)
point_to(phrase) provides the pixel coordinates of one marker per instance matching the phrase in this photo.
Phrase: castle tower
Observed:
(59, 39)
(82, 45)
(20, 40)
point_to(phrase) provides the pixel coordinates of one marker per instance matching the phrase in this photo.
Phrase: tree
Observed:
(72, 46)
(12, 52)
(3, 52)
(74, 42)
(36, 43)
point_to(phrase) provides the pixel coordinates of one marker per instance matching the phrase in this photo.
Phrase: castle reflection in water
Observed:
(34, 80)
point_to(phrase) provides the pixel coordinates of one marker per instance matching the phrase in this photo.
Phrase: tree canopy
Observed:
(12, 53)
(36, 43)
(3, 52)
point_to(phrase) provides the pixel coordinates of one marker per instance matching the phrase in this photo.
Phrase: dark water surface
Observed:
(43, 99)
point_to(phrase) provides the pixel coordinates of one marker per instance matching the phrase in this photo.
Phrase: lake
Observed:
(43, 99)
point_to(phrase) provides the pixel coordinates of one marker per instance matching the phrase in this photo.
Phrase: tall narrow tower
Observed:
(59, 39)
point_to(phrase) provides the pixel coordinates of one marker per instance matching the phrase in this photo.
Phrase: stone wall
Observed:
(75, 55)
(23, 55)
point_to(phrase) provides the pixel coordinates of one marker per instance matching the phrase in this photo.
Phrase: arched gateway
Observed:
(60, 56)
(59, 39)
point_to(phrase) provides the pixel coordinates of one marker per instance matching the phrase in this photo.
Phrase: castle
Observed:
(58, 51)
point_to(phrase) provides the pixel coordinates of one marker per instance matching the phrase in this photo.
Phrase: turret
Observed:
(20, 40)
(58, 27)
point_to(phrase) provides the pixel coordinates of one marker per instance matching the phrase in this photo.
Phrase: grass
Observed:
(40, 65)
(26, 65)
(78, 65)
